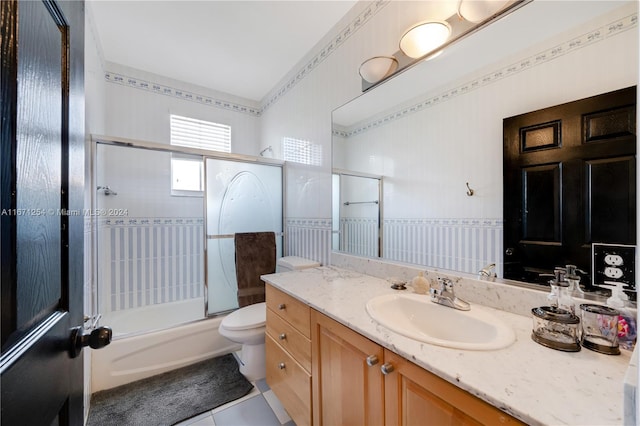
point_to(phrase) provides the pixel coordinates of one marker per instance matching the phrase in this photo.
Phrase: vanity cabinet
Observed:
(356, 381)
(324, 373)
(288, 353)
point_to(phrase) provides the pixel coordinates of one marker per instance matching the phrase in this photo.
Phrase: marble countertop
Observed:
(533, 383)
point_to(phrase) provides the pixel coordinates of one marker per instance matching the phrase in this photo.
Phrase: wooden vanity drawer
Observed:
(290, 309)
(289, 338)
(289, 381)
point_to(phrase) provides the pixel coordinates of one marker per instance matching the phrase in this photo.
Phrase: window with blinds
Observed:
(194, 133)
(187, 177)
(301, 151)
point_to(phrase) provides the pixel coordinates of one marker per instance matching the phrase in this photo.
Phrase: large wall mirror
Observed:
(433, 134)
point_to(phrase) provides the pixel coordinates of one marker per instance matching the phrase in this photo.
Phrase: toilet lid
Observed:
(247, 317)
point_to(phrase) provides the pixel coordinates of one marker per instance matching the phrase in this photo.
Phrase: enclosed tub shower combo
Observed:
(163, 253)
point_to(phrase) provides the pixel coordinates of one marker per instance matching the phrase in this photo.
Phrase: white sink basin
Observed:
(416, 317)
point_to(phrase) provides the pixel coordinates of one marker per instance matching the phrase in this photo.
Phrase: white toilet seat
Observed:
(247, 317)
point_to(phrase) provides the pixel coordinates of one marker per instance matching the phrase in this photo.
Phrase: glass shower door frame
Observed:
(280, 241)
(93, 306)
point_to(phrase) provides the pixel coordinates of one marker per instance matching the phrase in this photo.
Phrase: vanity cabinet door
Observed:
(347, 384)
(289, 381)
(414, 396)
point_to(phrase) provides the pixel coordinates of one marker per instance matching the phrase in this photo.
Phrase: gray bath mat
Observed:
(170, 397)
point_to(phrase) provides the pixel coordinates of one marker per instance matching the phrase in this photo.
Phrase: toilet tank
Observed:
(294, 263)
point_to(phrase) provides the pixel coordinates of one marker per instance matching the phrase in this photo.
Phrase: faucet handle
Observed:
(488, 271)
(445, 284)
(435, 290)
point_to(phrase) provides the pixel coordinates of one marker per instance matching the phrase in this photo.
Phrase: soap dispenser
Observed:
(560, 296)
(573, 279)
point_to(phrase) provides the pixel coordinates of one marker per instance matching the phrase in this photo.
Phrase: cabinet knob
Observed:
(372, 360)
(282, 306)
(386, 368)
(282, 336)
(281, 366)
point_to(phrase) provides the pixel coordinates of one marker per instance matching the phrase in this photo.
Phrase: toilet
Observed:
(247, 324)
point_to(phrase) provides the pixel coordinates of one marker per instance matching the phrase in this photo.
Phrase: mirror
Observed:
(435, 131)
(357, 213)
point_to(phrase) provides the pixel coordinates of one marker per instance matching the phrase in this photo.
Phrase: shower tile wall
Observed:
(145, 261)
(309, 238)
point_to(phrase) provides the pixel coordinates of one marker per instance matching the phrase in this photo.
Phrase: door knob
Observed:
(97, 339)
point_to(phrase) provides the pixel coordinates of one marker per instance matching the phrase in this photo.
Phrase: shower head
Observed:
(269, 149)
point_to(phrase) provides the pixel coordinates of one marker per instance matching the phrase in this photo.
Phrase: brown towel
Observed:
(255, 256)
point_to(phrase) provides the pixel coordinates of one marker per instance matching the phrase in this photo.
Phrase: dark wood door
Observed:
(42, 169)
(569, 181)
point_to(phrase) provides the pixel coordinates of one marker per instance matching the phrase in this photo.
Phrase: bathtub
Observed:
(154, 317)
(133, 357)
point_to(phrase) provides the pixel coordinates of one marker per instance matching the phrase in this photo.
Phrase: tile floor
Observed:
(260, 407)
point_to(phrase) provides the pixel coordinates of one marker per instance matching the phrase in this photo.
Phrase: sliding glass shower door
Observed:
(149, 246)
(240, 197)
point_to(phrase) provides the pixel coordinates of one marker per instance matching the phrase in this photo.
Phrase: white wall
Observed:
(139, 105)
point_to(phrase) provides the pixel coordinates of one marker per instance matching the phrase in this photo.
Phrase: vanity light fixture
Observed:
(375, 69)
(424, 37)
(479, 10)
(428, 39)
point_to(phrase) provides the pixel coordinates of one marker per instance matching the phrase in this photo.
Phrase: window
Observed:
(301, 151)
(187, 177)
(187, 172)
(194, 133)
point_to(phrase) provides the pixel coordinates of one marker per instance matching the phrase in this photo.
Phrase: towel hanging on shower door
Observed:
(255, 256)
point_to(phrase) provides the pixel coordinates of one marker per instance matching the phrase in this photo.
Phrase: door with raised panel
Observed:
(569, 181)
(41, 225)
(347, 384)
(413, 396)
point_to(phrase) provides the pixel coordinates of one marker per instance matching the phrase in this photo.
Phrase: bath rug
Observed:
(170, 397)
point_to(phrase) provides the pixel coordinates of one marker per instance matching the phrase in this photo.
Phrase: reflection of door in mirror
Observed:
(356, 213)
(569, 182)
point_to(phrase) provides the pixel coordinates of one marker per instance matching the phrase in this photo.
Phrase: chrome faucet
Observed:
(443, 294)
